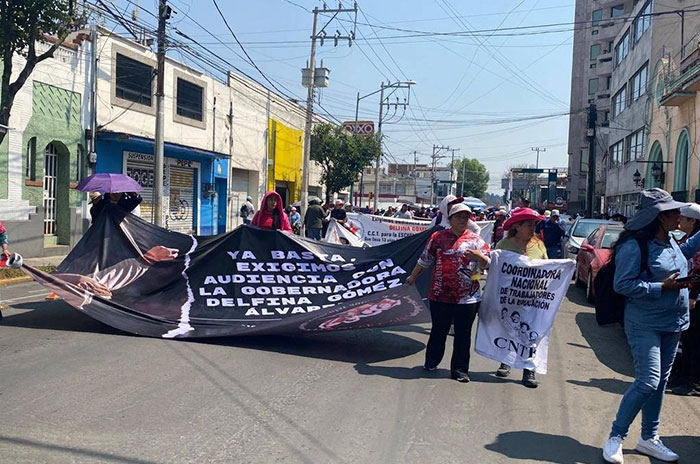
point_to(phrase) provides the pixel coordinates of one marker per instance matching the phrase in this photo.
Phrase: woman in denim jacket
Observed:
(655, 314)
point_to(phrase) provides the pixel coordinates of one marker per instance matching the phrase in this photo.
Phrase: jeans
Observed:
(554, 252)
(442, 316)
(653, 352)
(247, 221)
(313, 233)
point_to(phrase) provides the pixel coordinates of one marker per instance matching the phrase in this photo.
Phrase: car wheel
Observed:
(589, 288)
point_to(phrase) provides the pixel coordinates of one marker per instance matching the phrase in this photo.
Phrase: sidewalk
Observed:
(14, 276)
(44, 261)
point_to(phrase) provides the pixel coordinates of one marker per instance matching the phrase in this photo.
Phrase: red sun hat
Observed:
(520, 215)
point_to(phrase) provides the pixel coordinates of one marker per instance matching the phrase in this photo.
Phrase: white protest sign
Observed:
(337, 233)
(519, 304)
(378, 230)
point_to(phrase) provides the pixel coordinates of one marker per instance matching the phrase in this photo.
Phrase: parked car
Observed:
(594, 252)
(582, 228)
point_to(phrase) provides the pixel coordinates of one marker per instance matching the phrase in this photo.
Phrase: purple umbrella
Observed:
(108, 183)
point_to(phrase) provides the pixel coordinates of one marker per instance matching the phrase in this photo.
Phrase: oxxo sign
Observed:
(359, 127)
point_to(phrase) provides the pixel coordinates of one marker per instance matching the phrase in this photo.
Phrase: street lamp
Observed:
(637, 178)
(657, 173)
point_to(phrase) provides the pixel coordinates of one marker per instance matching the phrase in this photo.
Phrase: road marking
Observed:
(28, 297)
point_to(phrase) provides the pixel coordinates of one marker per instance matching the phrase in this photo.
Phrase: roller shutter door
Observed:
(182, 200)
(142, 172)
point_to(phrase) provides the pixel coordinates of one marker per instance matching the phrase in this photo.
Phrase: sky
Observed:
(492, 78)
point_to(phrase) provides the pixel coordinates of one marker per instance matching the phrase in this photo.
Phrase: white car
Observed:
(571, 242)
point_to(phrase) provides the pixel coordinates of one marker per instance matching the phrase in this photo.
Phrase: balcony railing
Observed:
(681, 84)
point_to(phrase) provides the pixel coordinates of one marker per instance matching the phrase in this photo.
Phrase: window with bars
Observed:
(133, 80)
(30, 160)
(189, 99)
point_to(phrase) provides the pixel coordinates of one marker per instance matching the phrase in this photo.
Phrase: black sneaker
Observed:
(503, 370)
(429, 368)
(529, 379)
(460, 376)
(681, 390)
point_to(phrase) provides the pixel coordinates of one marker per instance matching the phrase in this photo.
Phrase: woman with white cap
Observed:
(458, 255)
(687, 383)
(656, 312)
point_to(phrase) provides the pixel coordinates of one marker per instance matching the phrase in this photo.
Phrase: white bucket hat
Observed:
(691, 211)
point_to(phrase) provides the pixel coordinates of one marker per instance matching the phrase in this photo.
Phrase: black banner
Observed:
(132, 275)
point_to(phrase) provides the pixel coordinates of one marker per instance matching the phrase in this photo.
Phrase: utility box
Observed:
(321, 77)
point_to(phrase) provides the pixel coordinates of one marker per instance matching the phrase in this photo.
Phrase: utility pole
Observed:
(452, 168)
(395, 86)
(310, 95)
(537, 166)
(464, 172)
(164, 12)
(435, 156)
(307, 126)
(379, 155)
(590, 134)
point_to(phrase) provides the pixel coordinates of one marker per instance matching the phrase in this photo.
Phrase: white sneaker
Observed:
(612, 450)
(654, 447)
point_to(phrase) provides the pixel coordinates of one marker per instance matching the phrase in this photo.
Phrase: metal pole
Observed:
(379, 156)
(432, 178)
(163, 14)
(464, 167)
(590, 193)
(307, 128)
(510, 191)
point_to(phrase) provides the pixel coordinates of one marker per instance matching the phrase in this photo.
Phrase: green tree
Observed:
(472, 178)
(23, 23)
(341, 155)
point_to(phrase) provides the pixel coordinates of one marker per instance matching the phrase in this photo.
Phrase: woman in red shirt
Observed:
(271, 214)
(458, 255)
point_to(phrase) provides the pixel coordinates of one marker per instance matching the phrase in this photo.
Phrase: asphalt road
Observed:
(73, 390)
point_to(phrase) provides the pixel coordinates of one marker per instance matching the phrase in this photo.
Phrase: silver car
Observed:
(571, 242)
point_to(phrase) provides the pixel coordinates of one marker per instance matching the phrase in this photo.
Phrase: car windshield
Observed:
(609, 238)
(584, 229)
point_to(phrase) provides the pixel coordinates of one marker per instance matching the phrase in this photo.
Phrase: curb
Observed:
(14, 280)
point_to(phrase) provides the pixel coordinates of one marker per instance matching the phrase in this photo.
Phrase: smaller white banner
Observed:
(518, 308)
(378, 230)
(337, 233)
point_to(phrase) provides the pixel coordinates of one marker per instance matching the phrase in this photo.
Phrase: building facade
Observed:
(673, 135)
(651, 129)
(597, 24)
(224, 141)
(43, 155)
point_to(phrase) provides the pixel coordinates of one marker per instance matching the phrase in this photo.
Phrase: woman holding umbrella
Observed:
(119, 189)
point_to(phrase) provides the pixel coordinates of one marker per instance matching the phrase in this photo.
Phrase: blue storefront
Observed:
(195, 180)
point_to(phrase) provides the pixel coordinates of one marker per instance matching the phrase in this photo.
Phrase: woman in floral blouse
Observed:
(458, 255)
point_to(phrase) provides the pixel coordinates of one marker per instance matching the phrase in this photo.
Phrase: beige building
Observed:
(673, 132)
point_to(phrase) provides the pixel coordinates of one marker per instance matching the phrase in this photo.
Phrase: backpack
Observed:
(610, 305)
(244, 211)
